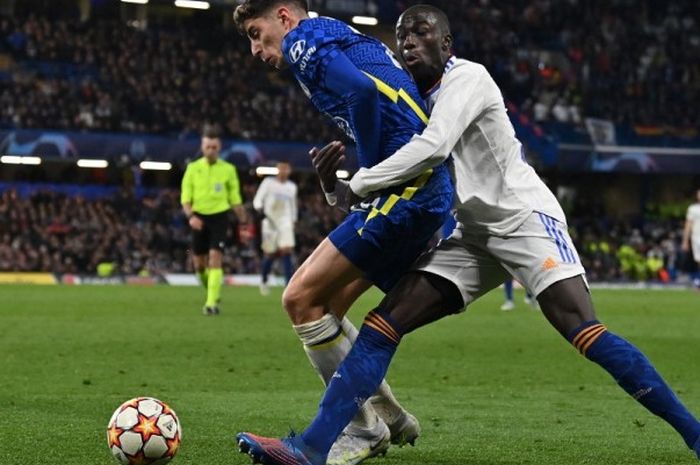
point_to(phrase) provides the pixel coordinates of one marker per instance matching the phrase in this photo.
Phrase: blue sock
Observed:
(357, 378)
(266, 268)
(288, 267)
(508, 287)
(636, 375)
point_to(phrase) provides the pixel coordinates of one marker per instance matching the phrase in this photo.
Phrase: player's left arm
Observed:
(233, 188)
(295, 209)
(360, 94)
(464, 95)
(687, 231)
(322, 60)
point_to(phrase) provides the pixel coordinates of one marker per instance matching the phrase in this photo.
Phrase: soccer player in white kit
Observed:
(276, 199)
(691, 236)
(509, 222)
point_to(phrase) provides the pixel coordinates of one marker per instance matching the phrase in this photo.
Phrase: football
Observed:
(143, 431)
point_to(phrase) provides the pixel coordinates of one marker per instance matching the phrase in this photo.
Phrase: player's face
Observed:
(420, 42)
(284, 170)
(266, 34)
(211, 147)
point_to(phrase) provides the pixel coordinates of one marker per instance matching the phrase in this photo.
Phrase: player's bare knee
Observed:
(297, 303)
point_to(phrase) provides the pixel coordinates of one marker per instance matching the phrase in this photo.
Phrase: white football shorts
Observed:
(276, 237)
(538, 254)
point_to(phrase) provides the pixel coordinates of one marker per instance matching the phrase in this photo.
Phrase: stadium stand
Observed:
(107, 76)
(553, 59)
(632, 63)
(61, 232)
(43, 229)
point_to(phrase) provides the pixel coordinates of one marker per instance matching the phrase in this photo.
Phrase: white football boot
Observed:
(355, 445)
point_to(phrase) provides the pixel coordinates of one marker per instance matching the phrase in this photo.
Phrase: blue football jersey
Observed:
(314, 43)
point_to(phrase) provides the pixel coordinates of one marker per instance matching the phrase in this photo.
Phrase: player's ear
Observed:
(447, 41)
(284, 16)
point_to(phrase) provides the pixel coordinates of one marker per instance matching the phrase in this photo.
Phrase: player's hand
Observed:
(196, 223)
(345, 197)
(685, 246)
(326, 162)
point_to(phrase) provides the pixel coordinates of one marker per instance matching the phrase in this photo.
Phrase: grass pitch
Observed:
(491, 388)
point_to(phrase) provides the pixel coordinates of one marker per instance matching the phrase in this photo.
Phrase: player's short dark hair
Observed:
(251, 9)
(211, 131)
(443, 21)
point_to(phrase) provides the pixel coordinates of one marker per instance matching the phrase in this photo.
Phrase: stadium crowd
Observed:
(49, 231)
(55, 232)
(631, 62)
(108, 76)
(634, 62)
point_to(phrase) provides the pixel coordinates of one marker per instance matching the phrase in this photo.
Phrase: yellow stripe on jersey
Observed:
(407, 194)
(394, 96)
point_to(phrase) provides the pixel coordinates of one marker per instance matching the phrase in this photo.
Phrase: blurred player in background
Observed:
(509, 304)
(509, 223)
(210, 188)
(356, 80)
(276, 199)
(691, 236)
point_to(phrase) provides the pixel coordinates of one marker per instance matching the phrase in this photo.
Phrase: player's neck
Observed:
(295, 20)
(428, 78)
(427, 81)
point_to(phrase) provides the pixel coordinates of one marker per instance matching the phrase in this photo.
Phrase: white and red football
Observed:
(143, 431)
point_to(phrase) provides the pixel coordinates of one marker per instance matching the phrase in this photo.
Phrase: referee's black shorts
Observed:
(212, 235)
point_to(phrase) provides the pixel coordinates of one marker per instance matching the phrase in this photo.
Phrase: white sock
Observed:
(383, 401)
(326, 345)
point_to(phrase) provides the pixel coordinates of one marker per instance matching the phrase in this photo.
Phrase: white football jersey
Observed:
(277, 200)
(495, 187)
(693, 216)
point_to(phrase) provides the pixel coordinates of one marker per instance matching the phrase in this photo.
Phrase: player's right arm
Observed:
(186, 196)
(465, 93)
(260, 194)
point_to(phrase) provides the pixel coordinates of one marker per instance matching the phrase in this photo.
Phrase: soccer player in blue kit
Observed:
(355, 80)
(509, 223)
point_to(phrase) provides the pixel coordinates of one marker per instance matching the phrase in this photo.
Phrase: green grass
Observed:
(491, 388)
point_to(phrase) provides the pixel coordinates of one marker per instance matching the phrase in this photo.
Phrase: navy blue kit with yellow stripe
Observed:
(356, 81)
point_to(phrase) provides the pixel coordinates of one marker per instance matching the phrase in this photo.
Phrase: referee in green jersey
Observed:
(210, 188)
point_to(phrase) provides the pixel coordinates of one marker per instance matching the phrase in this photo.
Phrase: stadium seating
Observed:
(43, 228)
(555, 60)
(147, 234)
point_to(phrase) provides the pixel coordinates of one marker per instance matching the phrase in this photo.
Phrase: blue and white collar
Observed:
(436, 87)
